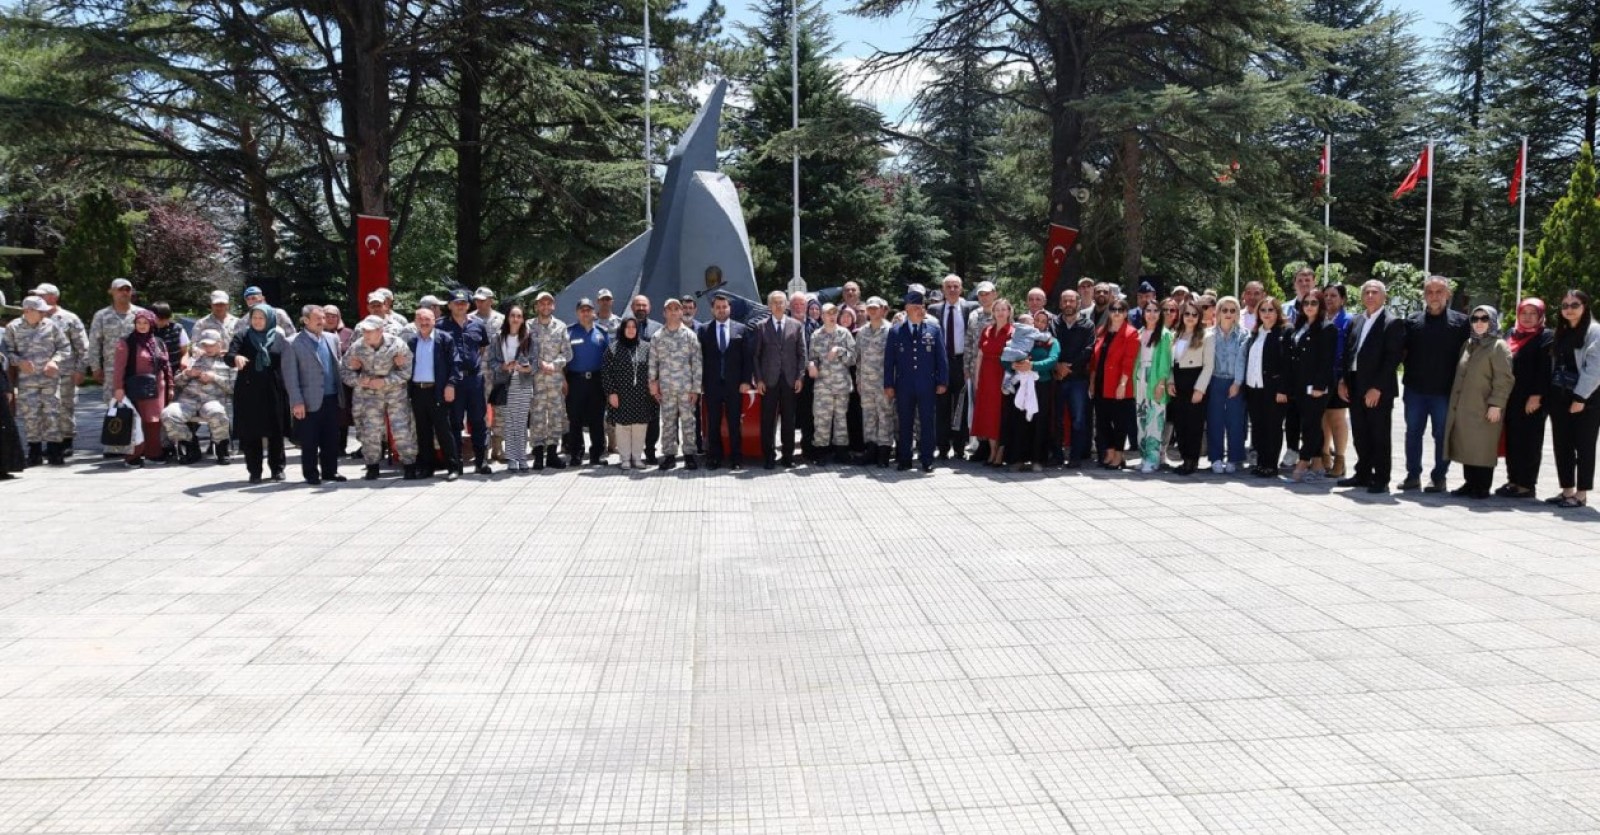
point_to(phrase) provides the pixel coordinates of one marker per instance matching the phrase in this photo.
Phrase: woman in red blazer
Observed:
(1116, 349)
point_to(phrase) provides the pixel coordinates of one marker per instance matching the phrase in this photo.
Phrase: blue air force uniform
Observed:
(914, 365)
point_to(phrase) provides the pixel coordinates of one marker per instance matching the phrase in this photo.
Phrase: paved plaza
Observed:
(818, 651)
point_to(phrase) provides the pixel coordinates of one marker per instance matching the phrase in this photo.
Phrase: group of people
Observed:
(1184, 377)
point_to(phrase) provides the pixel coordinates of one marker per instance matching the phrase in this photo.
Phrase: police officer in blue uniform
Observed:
(586, 398)
(914, 373)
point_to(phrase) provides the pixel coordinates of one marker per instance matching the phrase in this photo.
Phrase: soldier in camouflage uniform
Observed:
(675, 380)
(72, 370)
(37, 348)
(109, 326)
(547, 411)
(378, 367)
(833, 351)
(877, 411)
(204, 385)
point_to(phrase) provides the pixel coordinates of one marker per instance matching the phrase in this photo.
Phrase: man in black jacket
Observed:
(727, 361)
(1374, 343)
(1075, 335)
(436, 376)
(952, 313)
(1434, 337)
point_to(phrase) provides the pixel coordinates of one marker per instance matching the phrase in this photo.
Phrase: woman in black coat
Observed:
(1313, 369)
(1266, 386)
(1525, 412)
(12, 459)
(259, 400)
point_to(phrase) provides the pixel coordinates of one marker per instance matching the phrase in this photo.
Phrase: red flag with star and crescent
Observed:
(1056, 251)
(372, 256)
(1518, 174)
(1423, 167)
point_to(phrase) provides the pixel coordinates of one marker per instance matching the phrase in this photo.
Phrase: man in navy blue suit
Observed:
(727, 362)
(915, 369)
(436, 377)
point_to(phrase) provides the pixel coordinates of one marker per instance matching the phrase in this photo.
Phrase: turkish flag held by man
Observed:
(1422, 168)
(372, 254)
(1056, 251)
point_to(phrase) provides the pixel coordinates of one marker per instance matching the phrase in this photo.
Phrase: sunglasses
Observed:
(1119, 310)
(1169, 310)
(1480, 318)
(1227, 310)
(1191, 314)
(1572, 306)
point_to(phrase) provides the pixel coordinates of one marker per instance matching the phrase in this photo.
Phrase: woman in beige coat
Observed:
(1477, 403)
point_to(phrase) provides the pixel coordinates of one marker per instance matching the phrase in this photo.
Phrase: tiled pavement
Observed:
(818, 651)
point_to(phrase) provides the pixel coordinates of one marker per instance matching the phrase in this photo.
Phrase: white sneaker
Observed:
(1290, 458)
(1230, 467)
(1218, 467)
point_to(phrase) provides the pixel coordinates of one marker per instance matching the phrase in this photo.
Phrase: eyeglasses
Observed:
(1572, 306)
(1480, 318)
(1119, 310)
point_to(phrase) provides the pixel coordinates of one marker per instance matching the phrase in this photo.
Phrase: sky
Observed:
(858, 37)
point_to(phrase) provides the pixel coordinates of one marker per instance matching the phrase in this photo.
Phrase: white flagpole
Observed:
(649, 170)
(1427, 224)
(1327, 200)
(1522, 216)
(1236, 140)
(794, 125)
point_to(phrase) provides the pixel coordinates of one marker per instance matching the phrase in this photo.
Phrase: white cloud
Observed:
(891, 91)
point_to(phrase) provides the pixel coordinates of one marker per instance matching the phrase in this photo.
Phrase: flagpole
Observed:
(794, 125)
(649, 171)
(1522, 215)
(1427, 223)
(1236, 140)
(1327, 200)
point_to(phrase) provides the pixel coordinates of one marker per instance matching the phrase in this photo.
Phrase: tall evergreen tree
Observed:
(98, 249)
(952, 157)
(843, 217)
(1569, 244)
(920, 240)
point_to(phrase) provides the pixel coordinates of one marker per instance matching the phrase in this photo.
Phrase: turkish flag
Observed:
(1056, 251)
(1423, 167)
(1516, 176)
(372, 256)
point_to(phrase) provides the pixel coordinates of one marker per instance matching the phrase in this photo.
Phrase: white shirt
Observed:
(1179, 348)
(1253, 376)
(1366, 327)
(508, 348)
(955, 324)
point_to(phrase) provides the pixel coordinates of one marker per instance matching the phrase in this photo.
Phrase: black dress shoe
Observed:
(1411, 484)
(255, 478)
(668, 462)
(452, 475)
(944, 455)
(1377, 488)
(713, 464)
(788, 463)
(768, 465)
(689, 463)
(928, 467)
(1434, 487)
(903, 467)
(483, 469)
(371, 474)
(314, 482)
(736, 464)
(650, 458)
(958, 455)
(336, 479)
(277, 475)
(1352, 481)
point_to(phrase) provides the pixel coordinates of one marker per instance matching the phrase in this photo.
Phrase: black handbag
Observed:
(497, 395)
(141, 387)
(117, 429)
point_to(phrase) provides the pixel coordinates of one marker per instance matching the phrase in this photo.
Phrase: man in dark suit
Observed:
(727, 360)
(914, 372)
(953, 314)
(1375, 342)
(436, 375)
(780, 361)
(316, 396)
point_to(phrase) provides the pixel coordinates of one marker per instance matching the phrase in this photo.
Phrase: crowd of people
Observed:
(1249, 384)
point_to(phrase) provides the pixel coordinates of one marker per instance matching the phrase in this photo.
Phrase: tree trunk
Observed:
(364, 104)
(1131, 159)
(469, 148)
(1067, 132)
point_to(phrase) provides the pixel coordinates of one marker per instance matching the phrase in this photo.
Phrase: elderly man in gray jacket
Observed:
(311, 377)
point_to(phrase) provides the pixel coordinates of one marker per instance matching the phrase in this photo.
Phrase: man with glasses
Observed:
(1434, 336)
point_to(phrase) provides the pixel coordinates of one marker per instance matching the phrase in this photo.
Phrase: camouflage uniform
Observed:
(226, 326)
(675, 367)
(106, 329)
(831, 397)
(200, 401)
(38, 395)
(976, 322)
(878, 417)
(78, 340)
(547, 412)
(378, 410)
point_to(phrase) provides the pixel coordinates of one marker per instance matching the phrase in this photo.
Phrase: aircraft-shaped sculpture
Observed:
(699, 225)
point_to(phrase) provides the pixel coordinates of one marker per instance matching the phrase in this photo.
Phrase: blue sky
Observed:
(857, 37)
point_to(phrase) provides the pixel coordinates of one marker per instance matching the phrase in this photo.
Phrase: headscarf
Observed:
(262, 340)
(1520, 335)
(146, 341)
(1490, 335)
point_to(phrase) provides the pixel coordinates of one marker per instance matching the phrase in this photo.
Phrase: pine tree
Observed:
(1569, 245)
(98, 249)
(843, 218)
(1258, 265)
(952, 160)
(919, 240)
